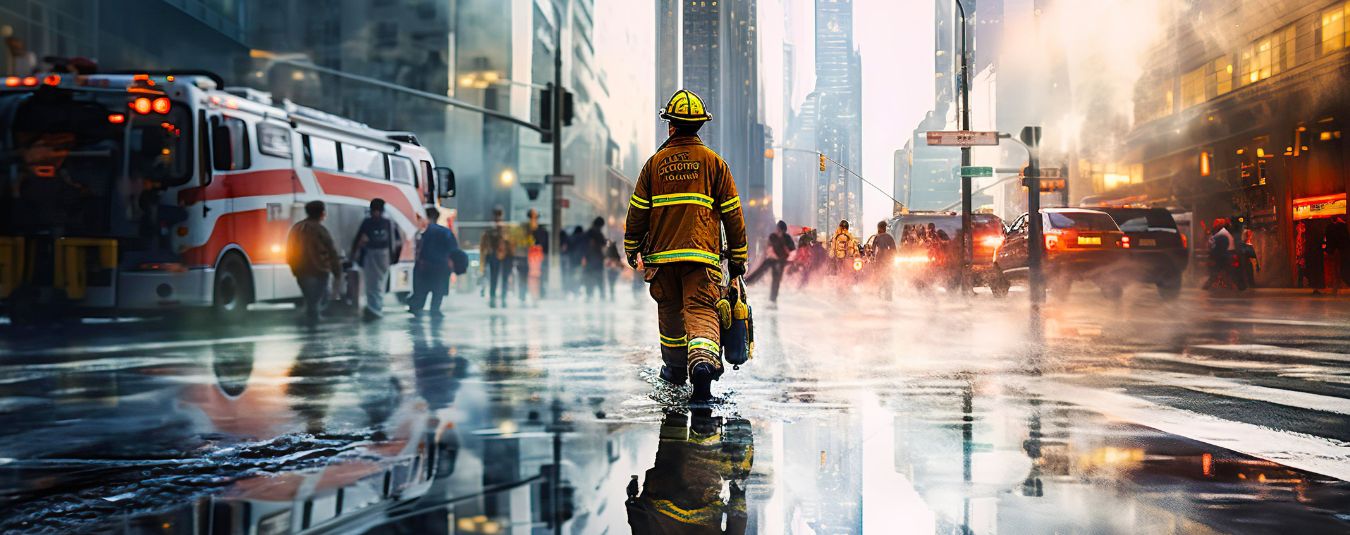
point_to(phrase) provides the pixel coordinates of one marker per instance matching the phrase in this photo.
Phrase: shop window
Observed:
(1193, 88)
(1333, 28)
(1221, 76)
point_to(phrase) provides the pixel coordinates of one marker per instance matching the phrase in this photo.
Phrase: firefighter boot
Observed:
(703, 371)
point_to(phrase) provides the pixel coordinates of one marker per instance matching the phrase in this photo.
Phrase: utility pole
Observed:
(555, 220)
(967, 243)
(1031, 136)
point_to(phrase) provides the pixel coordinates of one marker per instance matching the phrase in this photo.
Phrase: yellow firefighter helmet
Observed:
(685, 106)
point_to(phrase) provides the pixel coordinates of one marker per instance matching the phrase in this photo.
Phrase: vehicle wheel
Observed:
(1170, 289)
(1111, 291)
(999, 286)
(233, 288)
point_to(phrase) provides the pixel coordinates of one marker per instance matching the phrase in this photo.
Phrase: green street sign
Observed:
(977, 171)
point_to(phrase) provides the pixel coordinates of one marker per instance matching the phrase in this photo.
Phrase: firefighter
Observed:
(843, 247)
(684, 197)
(696, 458)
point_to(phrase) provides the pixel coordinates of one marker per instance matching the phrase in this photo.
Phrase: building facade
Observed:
(1247, 125)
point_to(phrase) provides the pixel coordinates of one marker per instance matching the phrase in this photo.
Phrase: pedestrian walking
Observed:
(593, 260)
(314, 260)
(1337, 249)
(576, 251)
(521, 239)
(780, 249)
(843, 247)
(432, 267)
(539, 236)
(376, 244)
(1220, 255)
(684, 198)
(613, 266)
(882, 246)
(495, 251)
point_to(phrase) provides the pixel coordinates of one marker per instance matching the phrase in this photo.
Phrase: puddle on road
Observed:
(428, 436)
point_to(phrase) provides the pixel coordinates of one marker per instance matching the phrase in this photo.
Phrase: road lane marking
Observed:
(1234, 389)
(1226, 350)
(1297, 450)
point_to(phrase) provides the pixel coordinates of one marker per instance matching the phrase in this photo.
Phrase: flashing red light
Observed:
(12, 81)
(1206, 464)
(161, 105)
(30, 81)
(142, 105)
(52, 79)
(117, 118)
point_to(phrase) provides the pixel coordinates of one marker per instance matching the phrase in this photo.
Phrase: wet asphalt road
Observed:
(926, 414)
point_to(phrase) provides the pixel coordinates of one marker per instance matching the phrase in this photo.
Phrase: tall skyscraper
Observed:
(718, 59)
(839, 128)
(667, 57)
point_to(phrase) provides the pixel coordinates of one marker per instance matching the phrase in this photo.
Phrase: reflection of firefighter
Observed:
(684, 195)
(683, 490)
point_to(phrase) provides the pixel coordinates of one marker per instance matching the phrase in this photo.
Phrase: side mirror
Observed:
(445, 182)
(222, 153)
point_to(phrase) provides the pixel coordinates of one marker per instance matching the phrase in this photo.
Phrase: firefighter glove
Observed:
(735, 269)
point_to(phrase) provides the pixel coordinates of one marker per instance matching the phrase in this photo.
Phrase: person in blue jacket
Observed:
(432, 269)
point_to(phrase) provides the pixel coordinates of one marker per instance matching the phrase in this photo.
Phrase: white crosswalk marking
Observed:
(1274, 351)
(1231, 388)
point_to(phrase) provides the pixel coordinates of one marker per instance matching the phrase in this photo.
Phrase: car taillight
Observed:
(1183, 240)
(992, 241)
(1051, 239)
(1124, 242)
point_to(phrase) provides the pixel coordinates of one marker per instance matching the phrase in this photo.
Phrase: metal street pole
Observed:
(555, 234)
(1031, 136)
(967, 249)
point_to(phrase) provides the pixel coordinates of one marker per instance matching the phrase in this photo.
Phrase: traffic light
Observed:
(822, 162)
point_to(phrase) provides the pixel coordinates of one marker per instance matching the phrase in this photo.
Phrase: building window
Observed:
(1333, 28)
(1193, 88)
(1221, 76)
(1290, 47)
(1258, 60)
(1154, 100)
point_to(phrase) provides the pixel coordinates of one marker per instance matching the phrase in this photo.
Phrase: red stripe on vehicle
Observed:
(245, 184)
(263, 241)
(364, 189)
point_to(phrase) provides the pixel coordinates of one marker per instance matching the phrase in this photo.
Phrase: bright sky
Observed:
(895, 38)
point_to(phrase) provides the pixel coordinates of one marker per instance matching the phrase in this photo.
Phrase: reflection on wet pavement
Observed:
(925, 415)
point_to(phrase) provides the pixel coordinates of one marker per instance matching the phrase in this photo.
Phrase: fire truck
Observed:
(153, 191)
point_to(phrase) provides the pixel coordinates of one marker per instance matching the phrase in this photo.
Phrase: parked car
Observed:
(1080, 245)
(1157, 252)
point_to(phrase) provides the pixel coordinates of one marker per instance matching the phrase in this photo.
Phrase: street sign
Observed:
(977, 171)
(561, 180)
(963, 138)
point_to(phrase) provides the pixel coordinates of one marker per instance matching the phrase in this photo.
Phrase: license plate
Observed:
(1089, 240)
(1148, 243)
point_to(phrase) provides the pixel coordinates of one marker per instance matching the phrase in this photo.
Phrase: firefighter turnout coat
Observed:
(684, 196)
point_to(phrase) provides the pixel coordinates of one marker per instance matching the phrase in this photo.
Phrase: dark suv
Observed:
(1157, 252)
(1080, 244)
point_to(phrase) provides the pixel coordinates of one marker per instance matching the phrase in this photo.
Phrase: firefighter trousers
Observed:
(686, 295)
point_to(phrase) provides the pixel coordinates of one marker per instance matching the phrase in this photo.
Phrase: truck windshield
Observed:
(84, 162)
